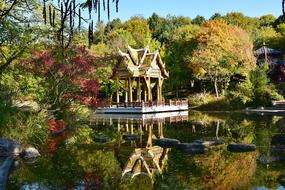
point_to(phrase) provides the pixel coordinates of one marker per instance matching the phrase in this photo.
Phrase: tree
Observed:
(100, 35)
(216, 16)
(139, 29)
(113, 25)
(281, 29)
(70, 17)
(222, 51)
(134, 32)
(182, 45)
(67, 76)
(264, 92)
(267, 20)
(269, 36)
(19, 30)
(120, 38)
(279, 20)
(199, 20)
(162, 28)
(239, 19)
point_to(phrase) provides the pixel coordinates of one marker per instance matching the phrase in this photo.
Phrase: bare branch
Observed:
(3, 13)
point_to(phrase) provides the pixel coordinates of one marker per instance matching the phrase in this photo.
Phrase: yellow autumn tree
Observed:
(222, 51)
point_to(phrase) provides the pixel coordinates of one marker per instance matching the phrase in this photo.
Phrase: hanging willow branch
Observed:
(283, 7)
(50, 16)
(71, 16)
(53, 18)
(45, 13)
(108, 9)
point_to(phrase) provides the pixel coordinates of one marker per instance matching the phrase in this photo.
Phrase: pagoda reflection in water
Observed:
(144, 158)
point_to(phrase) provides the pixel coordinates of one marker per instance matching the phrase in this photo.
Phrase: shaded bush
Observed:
(256, 89)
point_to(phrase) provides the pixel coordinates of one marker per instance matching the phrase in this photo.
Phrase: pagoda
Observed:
(142, 74)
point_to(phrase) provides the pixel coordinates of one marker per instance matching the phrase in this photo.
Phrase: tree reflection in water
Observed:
(78, 162)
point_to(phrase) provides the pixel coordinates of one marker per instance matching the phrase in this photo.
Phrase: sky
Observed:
(192, 8)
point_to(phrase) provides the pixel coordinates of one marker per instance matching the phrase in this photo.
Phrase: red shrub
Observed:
(56, 127)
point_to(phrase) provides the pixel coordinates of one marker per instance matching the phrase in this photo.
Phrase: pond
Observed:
(77, 160)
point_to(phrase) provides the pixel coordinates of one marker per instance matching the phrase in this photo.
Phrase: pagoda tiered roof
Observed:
(140, 63)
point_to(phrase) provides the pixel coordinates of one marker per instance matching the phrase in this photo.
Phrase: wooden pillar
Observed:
(130, 90)
(158, 89)
(118, 125)
(149, 140)
(139, 98)
(118, 95)
(141, 134)
(145, 93)
(127, 126)
(132, 127)
(149, 89)
(159, 131)
(126, 90)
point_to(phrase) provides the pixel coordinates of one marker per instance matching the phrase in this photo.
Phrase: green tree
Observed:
(139, 29)
(19, 30)
(264, 92)
(269, 36)
(135, 32)
(281, 29)
(245, 22)
(267, 20)
(162, 28)
(182, 45)
(120, 38)
(100, 35)
(216, 16)
(113, 24)
(199, 20)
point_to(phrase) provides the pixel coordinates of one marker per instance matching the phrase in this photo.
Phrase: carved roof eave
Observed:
(132, 49)
(162, 67)
(146, 51)
(157, 58)
(125, 55)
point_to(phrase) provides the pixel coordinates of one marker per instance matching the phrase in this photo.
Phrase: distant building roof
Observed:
(268, 51)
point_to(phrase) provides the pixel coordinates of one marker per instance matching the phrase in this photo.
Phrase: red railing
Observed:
(144, 104)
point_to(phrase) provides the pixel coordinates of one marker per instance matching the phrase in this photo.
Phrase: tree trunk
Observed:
(217, 129)
(192, 83)
(111, 99)
(216, 87)
(176, 92)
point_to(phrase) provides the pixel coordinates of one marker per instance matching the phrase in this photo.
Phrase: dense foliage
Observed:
(50, 80)
(46, 67)
(222, 51)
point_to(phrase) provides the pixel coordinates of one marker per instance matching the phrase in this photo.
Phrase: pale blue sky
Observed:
(192, 8)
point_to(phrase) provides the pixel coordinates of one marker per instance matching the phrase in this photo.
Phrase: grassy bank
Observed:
(208, 102)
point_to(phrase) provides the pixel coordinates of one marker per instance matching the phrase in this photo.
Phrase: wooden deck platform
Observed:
(277, 108)
(144, 107)
(266, 111)
(139, 119)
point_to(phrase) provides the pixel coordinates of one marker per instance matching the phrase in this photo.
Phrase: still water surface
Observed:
(74, 160)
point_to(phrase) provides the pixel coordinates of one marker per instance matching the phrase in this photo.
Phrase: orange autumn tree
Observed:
(222, 51)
